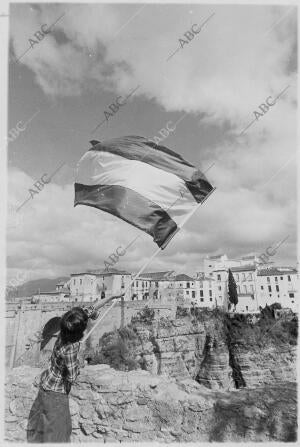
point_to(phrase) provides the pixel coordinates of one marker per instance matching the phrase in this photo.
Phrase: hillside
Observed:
(31, 287)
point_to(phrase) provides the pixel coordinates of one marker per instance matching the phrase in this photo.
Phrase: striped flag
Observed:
(148, 186)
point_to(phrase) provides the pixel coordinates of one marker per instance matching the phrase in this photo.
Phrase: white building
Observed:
(256, 286)
(60, 294)
(93, 285)
(246, 284)
(151, 285)
(187, 285)
(205, 291)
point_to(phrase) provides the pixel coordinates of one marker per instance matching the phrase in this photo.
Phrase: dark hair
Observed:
(73, 324)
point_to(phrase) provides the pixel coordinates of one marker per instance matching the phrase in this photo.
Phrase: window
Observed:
(268, 278)
(270, 288)
(80, 281)
(244, 288)
(219, 277)
(276, 279)
(193, 294)
(136, 283)
(201, 292)
(142, 283)
(201, 299)
(210, 293)
(187, 292)
(210, 266)
(281, 277)
(289, 278)
(210, 299)
(156, 283)
(262, 287)
(277, 288)
(292, 301)
(291, 295)
(220, 288)
(188, 285)
(251, 288)
(244, 276)
(237, 277)
(246, 307)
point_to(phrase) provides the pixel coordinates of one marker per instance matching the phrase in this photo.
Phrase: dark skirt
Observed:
(49, 418)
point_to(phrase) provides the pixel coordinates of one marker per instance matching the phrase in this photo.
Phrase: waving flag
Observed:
(148, 186)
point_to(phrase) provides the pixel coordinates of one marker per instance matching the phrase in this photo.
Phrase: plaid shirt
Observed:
(64, 363)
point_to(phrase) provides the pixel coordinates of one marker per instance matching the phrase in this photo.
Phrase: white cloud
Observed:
(226, 72)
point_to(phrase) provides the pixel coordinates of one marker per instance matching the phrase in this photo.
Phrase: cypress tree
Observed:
(232, 291)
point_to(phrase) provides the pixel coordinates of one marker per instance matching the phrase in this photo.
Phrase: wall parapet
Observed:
(109, 405)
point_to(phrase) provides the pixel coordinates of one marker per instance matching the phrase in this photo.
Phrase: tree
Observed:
(232, 292)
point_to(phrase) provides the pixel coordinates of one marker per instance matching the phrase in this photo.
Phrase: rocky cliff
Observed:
(217, 352)
(109, 405)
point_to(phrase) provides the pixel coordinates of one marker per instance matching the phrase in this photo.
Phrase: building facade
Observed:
(97, 284)
(257, 286)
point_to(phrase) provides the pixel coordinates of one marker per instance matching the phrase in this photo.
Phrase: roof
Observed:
(201, 276)
(253, 256)
(278, 271)
(243, 268)
(216, 256)
(183, 277)
(157, 276)
(54, 292)
(102, 272)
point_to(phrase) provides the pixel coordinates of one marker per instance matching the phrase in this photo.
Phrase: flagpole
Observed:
(148, 262)
(189, 215)
(126, 290)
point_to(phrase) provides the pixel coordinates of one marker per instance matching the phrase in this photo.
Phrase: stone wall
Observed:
(108, 405)
(23, 322)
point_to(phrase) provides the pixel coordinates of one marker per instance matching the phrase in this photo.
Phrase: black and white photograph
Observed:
(149, 272)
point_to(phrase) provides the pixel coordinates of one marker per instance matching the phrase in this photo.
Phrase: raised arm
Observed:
(107, 300)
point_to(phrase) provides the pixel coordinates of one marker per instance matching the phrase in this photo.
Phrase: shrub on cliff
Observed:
(182, 312)
(266, 331)
(118, 349)
(145, 316)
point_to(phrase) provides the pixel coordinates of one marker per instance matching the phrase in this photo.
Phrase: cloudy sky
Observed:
(60, 86)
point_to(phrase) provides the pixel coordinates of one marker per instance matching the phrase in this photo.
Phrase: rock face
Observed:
(108, 405)
(187, 348)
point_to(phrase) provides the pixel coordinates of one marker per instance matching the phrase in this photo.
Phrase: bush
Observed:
(266, 331)
(182, 312)
(145, 316)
